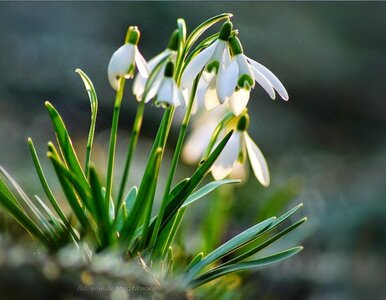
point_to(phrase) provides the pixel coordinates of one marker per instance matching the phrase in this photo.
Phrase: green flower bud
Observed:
(133, 35)
(169, 69)
(225, 31)
(173, 41)
(245, 82)
(235, 45)
(243, 122)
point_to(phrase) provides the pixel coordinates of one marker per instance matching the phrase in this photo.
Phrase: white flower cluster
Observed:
(227, 77)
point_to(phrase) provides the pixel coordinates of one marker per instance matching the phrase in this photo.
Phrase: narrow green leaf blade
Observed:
(66, 145)
(243, 266)
(205, 190)
(92, 95)
(230, 246)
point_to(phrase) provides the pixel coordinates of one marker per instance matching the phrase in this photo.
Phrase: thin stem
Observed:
(131, 148)
(113, 140)
(176, 157)
(90, 141)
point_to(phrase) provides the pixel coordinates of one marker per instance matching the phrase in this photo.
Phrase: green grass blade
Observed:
(231, 246)
(66, 146)
(103, 219)
(266, 243)
(197, 32)
(194, 261)
(46, 187)
(139, 208)
(92, 95)
(38, 214)
(243, 266)
(69, 191)
(7, 200)
(205, 190)
(285, 216)
(177, 201)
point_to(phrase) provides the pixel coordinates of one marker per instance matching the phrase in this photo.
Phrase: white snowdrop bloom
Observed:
(239, 77)
(159, 62)
(168, 93)
(235, 151)
(214, 59)
(125, 59)
(198, 140)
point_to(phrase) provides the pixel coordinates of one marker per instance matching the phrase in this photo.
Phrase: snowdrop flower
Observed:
(168, 93)
(203, 127)
(236, 81)
(125, 59)
(162, 58)
(214, 59)
(239, 146)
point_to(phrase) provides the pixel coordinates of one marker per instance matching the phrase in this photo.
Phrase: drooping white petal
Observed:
(199, 101)
(224, 164)
(258, 163)
(211, 99)
(196, 65)
(239, 171)
(155, 85)
(141, 63)
(238, 101)
(197, 142)
(227, 81)
(218, 52)
(277, 85)
(152, 63)
(139, 86)
(165, 92)
(140, 81)
(265, 84)
(178, 98)
(244, 67)
(120, 63)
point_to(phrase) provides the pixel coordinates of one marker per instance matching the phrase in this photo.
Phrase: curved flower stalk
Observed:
(159, 62)
(214, 59)
(236, 82)
(125, 59)
(239, 146)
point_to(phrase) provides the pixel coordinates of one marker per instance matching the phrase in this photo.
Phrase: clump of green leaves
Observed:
(127, 226)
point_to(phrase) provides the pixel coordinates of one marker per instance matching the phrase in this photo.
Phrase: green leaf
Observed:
(38, 214)
(47, 189)
(194, 261)
(196, 33)
(68, 190)
(103, 220)
(205, 190)
(66, 146)
(243, 266)
(177, 201)
(84, 192)
(285, 216)
(130, 199)
(266, 243)
(9, 202)
(230, 246)
(94, 111)
(139, 209)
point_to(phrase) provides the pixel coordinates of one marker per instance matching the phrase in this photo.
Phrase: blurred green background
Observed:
(326, 147)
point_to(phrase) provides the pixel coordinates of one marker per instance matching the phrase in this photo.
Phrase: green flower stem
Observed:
(113, 140)
(176, 157)
(224, 122)
(131, 148)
